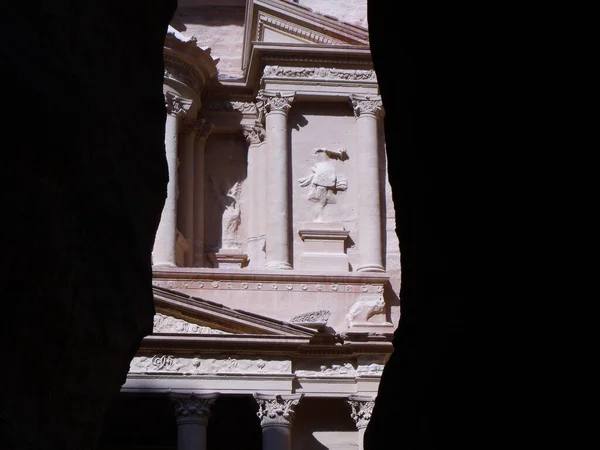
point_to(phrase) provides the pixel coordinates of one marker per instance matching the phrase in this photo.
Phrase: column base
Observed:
(370, 268)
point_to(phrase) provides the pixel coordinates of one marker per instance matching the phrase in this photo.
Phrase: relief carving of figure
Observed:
(229, 203)
(324, 181)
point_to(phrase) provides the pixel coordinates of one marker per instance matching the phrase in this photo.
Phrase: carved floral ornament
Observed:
(320, 73)
(367, 105)
(254, 135)
(168, 324)
(277, 410)
(231, 106)
(192, 406)
(273, 101)
(361, 411)
(312, 317)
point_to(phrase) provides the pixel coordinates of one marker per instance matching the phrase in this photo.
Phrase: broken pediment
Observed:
(179, 313)
(284, 22)
(287, 22)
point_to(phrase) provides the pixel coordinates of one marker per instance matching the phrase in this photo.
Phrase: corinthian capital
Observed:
(277, 410)
(267, 101)
(362, 408)
(193, 407)
(254, 134)
(365, 104)
(176, 105)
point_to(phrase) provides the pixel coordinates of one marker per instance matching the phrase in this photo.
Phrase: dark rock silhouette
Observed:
(83, 183)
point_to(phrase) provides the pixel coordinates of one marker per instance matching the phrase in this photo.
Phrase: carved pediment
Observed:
(283, 22)
(181, 314)
(287, 22)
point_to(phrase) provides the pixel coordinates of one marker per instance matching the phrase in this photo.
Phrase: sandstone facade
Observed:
(276, 264)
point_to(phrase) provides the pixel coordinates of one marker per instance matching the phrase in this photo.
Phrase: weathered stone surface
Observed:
(83, 189)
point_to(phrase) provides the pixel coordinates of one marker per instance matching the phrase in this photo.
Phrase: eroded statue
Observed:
(324, 181)
(231, 219)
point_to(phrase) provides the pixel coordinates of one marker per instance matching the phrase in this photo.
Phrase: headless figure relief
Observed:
(229, 202)
(324, 182)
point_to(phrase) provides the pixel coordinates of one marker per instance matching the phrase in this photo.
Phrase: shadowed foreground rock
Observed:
(84, 184)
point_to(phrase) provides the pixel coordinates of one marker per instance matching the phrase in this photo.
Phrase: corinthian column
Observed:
(255, 136)
(276, 414)
(203, 130)
(362, 408)
(275, 106)
(163, 253)
(367, 112)
(192, 412)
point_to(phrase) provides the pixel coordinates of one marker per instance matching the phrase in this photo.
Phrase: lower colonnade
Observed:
(276, 413)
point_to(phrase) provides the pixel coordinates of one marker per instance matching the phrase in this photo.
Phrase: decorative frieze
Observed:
(341, 370)
(278, 410)
(197, 366)
(319, 73)
(236, 285)
(367, 105)
(168, 324)
(362, 409)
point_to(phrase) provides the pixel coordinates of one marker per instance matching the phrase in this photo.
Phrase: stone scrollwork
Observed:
(320, 73)
(312, 317)
(278, 410)
(367, 105)
(361, 411)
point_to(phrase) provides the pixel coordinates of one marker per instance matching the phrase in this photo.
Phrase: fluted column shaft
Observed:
(276, 414)
(192, 412)
(367, 114)
(163, 253)
(276, 106)
(203, 130)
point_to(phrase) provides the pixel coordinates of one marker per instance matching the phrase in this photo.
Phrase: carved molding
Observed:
(176, 105)
(292, 29)
(270, 285)
(367, 105)
(361, 411)
(268, 102)
(197, 366)
(184, 73)
(278, 410)
(319, 73)
(314, 60)
(193, 407)
(168, 324)
(312, 317)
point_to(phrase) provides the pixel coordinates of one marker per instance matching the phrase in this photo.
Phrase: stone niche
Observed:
(224, 214)
(324, 186)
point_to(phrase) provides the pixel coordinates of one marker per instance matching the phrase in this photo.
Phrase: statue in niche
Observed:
(231, 219)
(324, 181)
